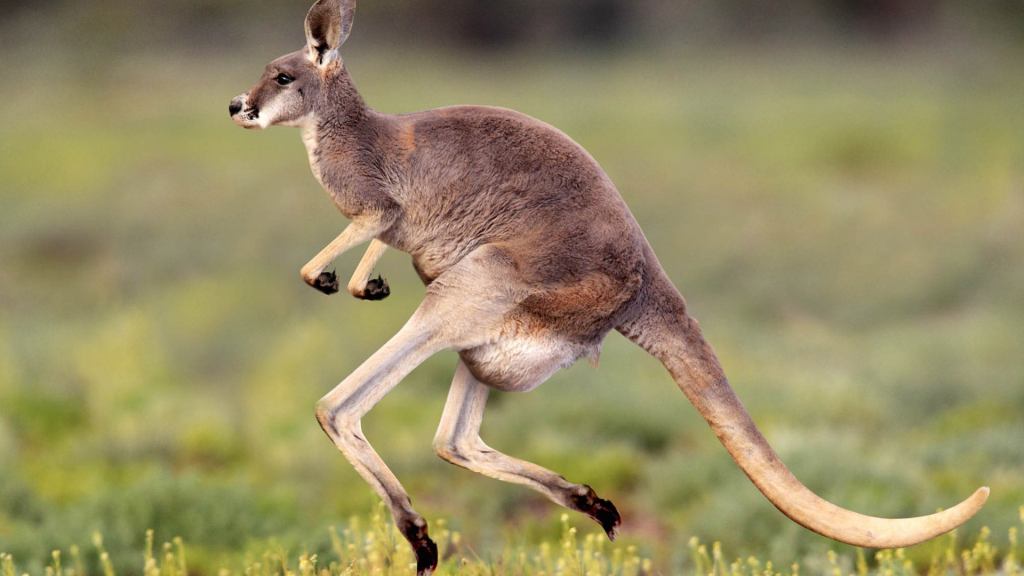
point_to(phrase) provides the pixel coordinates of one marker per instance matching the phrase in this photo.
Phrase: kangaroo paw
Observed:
(376, 289)
(327, 282)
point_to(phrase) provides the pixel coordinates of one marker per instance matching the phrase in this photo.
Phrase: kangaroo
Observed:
(530, 258)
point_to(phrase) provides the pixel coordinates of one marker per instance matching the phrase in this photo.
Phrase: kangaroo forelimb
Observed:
(314, 272)
(361, 285)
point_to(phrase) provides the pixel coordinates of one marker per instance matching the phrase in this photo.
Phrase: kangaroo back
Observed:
(662, 327)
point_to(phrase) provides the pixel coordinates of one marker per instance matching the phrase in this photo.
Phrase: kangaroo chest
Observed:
(312, 143)
(337, 172)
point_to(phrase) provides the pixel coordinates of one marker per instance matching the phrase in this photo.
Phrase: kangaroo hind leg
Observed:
(462, 308)
(340, 413)
(458, 441)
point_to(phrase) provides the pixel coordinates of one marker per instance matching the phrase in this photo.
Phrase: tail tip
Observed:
(981, 494)
(972, 505)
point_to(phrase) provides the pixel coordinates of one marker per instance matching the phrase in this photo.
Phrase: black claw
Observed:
(601, 510)
(426, 557)
(327, 282)
(377, 289)
(608, 516)
(415, 531)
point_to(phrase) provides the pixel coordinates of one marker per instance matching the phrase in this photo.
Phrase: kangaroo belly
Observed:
(521, 364)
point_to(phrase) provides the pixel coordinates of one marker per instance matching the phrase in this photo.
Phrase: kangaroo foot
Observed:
(601, 510)
(415, 531)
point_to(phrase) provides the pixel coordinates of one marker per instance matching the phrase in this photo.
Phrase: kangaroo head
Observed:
(288, 91)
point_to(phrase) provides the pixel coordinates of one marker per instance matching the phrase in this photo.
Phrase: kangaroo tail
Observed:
(662, 327)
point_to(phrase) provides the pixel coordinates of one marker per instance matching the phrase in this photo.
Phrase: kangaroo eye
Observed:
(284, 79)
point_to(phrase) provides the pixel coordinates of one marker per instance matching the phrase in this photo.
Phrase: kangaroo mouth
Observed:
(248, 118)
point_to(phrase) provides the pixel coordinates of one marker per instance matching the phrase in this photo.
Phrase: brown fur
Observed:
(530, 256)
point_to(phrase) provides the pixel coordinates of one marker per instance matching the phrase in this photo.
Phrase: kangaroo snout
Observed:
(243, 112)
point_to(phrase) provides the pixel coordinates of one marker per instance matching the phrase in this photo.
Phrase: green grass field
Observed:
(847, 225)
(375, 547)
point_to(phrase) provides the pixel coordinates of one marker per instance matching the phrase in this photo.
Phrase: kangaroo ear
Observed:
(328, 24)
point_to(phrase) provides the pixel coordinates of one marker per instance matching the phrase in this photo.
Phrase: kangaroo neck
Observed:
(339, 118)
(340, 100)
(344, 139)
(341, 113)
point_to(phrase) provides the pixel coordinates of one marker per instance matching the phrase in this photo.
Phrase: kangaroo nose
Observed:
(235, 107)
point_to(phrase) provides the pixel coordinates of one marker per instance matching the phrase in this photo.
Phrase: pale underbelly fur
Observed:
(522, 363)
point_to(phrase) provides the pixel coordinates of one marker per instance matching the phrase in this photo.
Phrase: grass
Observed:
(845, 223)
(374, 547)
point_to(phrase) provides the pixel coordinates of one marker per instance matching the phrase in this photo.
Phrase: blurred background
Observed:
(837, 187)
